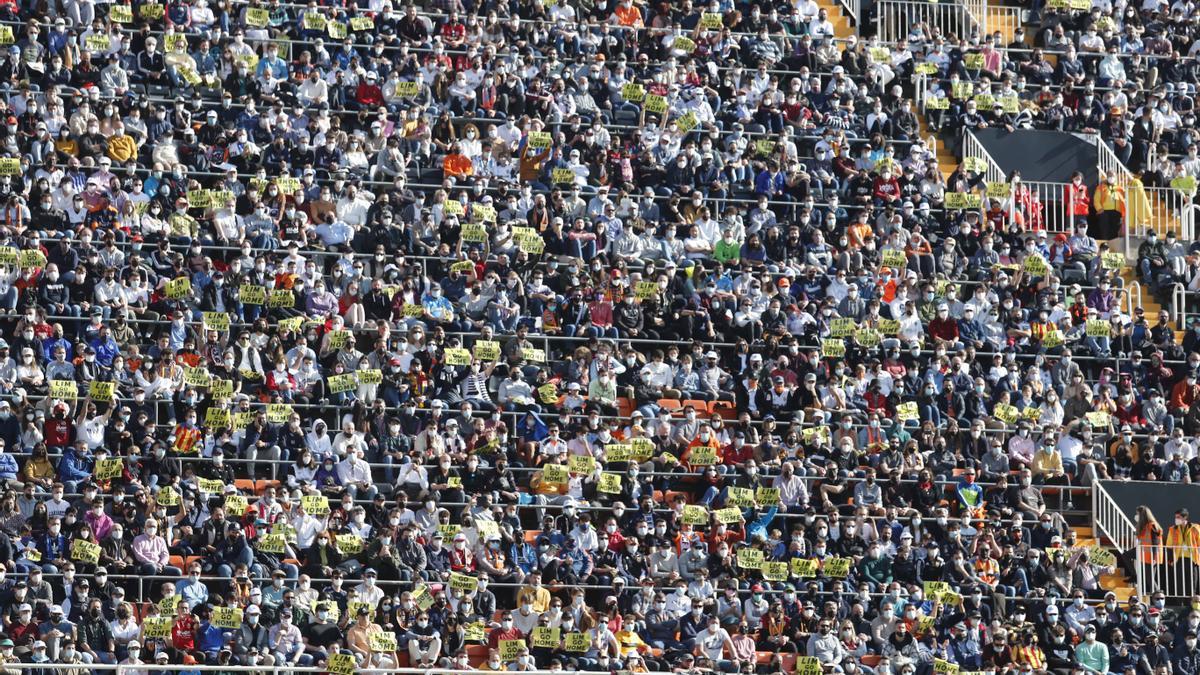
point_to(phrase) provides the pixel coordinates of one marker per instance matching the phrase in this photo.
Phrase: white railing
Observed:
(1108, 520)
(1006, 20)
(1168, 207)
(1187, 223)
(1174, 570)
(1108, 163)
(895, 18)
(1133, 289)
(1179, 305)
(971, 147)
(1045, 207)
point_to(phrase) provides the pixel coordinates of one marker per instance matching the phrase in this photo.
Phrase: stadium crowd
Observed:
(578, 336)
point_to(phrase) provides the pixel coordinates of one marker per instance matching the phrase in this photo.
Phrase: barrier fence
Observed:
(1174, 570)
(895, 18)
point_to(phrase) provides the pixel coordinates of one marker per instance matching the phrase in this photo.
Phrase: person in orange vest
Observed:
(1183, 549)
(1076, 197)
(1150, 557)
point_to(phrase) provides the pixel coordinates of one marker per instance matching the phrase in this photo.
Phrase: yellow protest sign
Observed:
(278, 413)
(808, 665)
(336, 30)
(340, 383)
(257, 17)
(684, 44)
(463, 582)
(511, 649)
(342, 664)
(85, 551)
(349, 544)
(998, 189)
(370, 376)
(711, 20)
(837, 568)
(65, 389)
(157, 626)
(487, 350)
(1007, 413)
(219, 389)
(151, 11)
(533, 354)
(610, 483)
(925, 68)
(655, 104)
(457, 356)
(962, 200)
(842, 328)
(581, 464)
(218, 321)
(31, 259)
(750, 558)
(775, 571)
(120, 13)
(361, 23)
(1112, 261)
(728, 515)
(833, 348)
(941, 666)
(555, 474)
(179, 288)
(577, 642)
(694, 514)
(908, 412)
(894, 257)
(109, 467)
(281, 298)
(250, 294)
(767, 496)
(546, 637)
(475, 632)
(227, 617)
(196, 377)
(739, 496)
(540, 139)
(804, 567)
(1035, 265)
(212, 487)
(102, 391)
(236, 505)
(1098, 418)
(1098, 328)
(382, 641)
(633, 92)
(315, 505)
(702, 455)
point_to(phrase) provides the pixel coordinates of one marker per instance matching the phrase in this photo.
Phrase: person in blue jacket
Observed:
(75, 466)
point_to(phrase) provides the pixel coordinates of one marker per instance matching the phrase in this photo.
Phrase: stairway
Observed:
(838, 17)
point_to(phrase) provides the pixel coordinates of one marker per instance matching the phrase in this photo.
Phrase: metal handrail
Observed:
(1109, 520)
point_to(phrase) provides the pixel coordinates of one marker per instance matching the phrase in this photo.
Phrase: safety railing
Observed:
(1174, 570)
(1187, 223)
(1107, 161)
(972, 147)
(1179, 305)
(1004, 20)
(1043, 205)
(1109, 521)
(895, 18)
(1161, 209)
(1133, 292)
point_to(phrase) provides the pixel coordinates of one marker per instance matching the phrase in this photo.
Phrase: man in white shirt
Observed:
(355, 475)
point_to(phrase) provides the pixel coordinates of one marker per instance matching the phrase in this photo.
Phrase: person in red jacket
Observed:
(368, 94)
(886, 189)
(944, 328)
